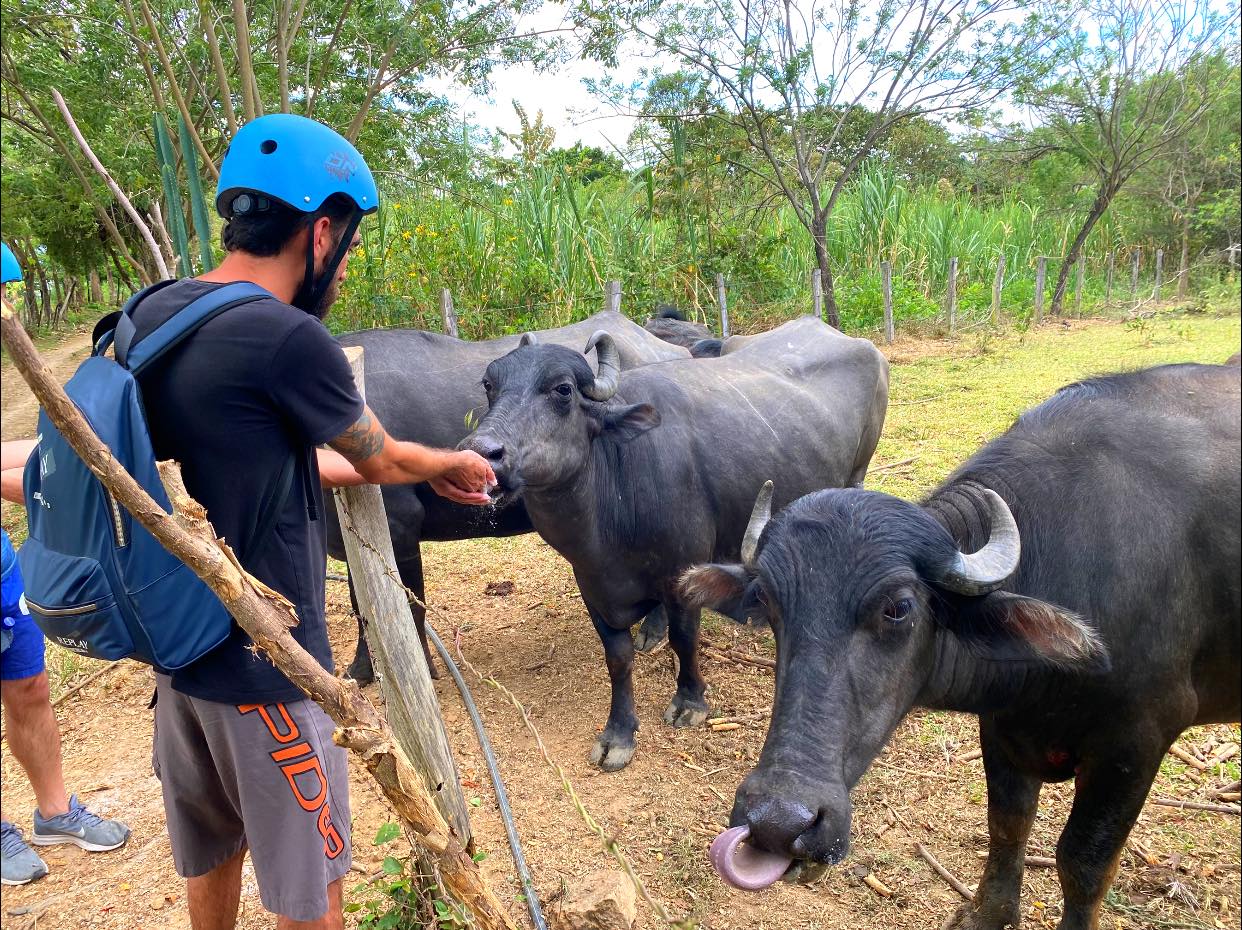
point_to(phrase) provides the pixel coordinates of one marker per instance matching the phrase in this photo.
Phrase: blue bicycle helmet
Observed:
(299, 163)
(10, 270)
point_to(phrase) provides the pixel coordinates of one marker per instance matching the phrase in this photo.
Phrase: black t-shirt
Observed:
(253, 387)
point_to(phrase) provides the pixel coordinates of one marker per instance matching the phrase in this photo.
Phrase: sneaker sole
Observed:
(37, 840)
(24, 881)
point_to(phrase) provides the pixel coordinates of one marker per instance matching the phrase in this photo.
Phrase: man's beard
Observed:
(330, 294)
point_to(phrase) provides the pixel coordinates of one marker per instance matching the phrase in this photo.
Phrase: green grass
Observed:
(942, 408)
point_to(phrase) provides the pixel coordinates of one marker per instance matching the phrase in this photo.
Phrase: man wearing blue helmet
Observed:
(245, 761)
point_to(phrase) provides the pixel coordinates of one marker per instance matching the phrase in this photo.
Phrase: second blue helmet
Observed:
(295, 160)
(10, 270)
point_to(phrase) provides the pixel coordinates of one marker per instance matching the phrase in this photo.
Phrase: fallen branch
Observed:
(94, 676)
(267, 617)
(1032, 862)
(739, 658)
(969, 756)
(954, 882)
(867, 877)
(1199, 806)
(888, 465)
(1181, 754)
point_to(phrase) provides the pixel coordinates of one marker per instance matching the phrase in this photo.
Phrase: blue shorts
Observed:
(24, 657)
(23, 640)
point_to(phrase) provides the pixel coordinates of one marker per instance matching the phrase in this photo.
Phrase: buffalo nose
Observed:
(489, 447)
(775, 824)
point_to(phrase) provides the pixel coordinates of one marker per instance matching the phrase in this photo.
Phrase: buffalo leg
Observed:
(1012, 801)
(652, 630)
(360, 669)
(1108, 798)
(615, 746)
(688, 708)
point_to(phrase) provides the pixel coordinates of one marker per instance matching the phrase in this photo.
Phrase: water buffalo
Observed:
(425, 387)
(671, 325)
(634, 475)
(1075, 584)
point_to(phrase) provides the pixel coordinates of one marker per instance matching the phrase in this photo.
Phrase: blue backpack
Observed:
(97, 582)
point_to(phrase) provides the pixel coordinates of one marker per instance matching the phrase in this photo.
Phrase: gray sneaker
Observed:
(19, 863)
(79, 827)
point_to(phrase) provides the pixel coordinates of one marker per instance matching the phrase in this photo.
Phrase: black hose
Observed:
(502, 796)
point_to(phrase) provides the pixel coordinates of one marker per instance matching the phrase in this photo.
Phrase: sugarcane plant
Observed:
(166, 158)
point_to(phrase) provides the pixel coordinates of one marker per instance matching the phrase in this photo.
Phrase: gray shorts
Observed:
(266, 776)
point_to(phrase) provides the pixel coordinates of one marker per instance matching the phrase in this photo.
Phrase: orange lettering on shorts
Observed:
(333, 845)
(295, 760)
(290, 730)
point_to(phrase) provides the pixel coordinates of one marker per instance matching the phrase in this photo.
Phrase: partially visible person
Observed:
(29, 720)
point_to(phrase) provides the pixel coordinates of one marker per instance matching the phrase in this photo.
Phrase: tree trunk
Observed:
(1183, 267)
(96, 288)
(1103, 198)
(819, 235)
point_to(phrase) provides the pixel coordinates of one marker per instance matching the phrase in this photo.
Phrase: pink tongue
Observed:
(744, 866)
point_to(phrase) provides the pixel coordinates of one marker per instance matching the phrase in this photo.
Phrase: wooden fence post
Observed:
(1108, 280)
(724, 307)
(998, 284)
(612, 296)
(411, 706)
(448, 316)
(886, 282)
(1041, 276)
(817, 294)
(952, 296)
(1134, 273)
(1081, 269)
(1155, 291)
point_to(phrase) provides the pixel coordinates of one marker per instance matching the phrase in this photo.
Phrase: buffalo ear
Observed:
(718, 587)
(1010, 627)
(626, 423)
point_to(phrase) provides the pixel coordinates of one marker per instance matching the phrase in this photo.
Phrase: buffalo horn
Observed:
(605, 384)
(758, 520)
(986, 570)
(528, 339)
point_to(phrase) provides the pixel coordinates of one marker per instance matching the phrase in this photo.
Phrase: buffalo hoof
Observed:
(967, 918)
(612, 754)
(684, 713)
(361, 670)
(651, 633)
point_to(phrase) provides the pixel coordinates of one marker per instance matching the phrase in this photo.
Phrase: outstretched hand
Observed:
(466, 480)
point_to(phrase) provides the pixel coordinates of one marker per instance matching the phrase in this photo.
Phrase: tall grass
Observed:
(539, 251)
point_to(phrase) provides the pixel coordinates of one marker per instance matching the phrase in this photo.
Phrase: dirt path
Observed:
(19, 411)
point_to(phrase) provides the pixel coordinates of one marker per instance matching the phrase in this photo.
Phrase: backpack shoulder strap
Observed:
(183, 323)
(118, 326)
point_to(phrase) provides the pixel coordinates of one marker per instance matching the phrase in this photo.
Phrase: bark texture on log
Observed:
(267, 617)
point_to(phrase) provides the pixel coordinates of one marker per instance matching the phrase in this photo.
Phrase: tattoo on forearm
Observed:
(362, 440)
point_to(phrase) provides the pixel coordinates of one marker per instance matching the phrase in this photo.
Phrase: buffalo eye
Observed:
(563, 389)
(897, 610)
(487, 386)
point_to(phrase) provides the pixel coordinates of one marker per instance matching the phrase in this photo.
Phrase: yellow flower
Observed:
(718, 158)
(508, 201)
(406, 235)
(690, 268)
(513, 238)
(396, 206)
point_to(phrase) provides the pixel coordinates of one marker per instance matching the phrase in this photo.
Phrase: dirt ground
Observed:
(1181, 868)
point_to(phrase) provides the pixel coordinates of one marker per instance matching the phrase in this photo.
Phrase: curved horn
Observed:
(609, 366)
(759, 518)
(987, 569)
(528, 339)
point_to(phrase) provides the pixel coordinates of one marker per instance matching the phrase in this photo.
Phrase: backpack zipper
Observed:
(118, 524)
(61, 611)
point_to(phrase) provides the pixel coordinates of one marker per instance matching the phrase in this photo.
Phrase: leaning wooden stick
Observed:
(267, 617)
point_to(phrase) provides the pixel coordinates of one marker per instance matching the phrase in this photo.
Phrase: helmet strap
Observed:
(313, 288)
